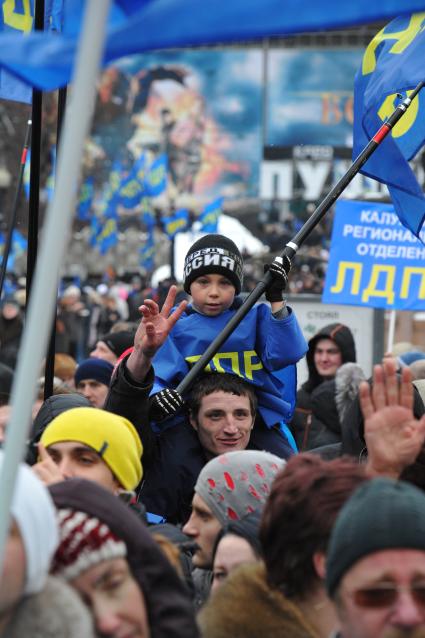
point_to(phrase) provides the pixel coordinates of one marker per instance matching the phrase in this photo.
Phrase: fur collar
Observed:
(246, 607)
(56, 612)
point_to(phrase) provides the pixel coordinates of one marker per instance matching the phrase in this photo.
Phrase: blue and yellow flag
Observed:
(133, 185)
(156, 176)
(148, 214)
(392, 64)
(209, 216)
(108, 236)
(147, 252)
(85, 199)
(176, 223)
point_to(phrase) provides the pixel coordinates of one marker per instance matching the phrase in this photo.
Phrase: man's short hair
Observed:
(220, 382)
(298, 517)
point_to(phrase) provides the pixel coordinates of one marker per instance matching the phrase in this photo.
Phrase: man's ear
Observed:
(319, 562)
(193, 422)
(253, 420)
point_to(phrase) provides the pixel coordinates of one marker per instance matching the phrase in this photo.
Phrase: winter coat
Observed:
(56, 612)
(259, 345)
(316, 421)
(167, 599)
(245, 606)
(172, 459)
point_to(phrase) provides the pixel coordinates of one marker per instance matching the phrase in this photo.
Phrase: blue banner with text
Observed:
(374, 260)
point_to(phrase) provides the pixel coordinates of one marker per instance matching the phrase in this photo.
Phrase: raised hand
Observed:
(46, 469)
(394, 437)
(153, 330)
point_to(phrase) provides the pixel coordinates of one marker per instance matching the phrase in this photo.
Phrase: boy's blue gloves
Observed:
(164, 404)
(279, 269)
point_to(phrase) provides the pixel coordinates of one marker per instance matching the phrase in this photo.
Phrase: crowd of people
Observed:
(240, 507)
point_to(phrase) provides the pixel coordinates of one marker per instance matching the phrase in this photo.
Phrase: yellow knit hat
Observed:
(109, 434)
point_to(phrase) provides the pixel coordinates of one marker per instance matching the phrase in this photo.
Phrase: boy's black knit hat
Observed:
(213, 254)
(381, 514)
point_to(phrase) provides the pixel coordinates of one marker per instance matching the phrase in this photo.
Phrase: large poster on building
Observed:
(202, 109)
(310, 96)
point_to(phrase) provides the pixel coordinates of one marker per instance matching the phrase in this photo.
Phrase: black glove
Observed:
(164, 404)
(279, 269)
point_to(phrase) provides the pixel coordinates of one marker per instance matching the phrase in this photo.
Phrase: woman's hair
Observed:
(304, 502)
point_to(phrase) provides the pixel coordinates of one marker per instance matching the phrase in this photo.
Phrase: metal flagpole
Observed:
(49, 369)
(34, 196)
(292, 246)
(52, 248)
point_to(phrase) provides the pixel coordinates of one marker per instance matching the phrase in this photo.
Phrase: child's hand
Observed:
(279, 270)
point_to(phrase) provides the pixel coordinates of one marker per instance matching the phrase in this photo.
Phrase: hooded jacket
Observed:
(245, 606)
(167, 600)
(56, 612)
(316, 420)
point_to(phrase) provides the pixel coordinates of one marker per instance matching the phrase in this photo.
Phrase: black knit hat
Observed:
(118, 342)
(381, 514)
(213, 254)
(94, 368)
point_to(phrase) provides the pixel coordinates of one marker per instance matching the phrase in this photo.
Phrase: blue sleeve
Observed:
(169, 365)
(279, 342)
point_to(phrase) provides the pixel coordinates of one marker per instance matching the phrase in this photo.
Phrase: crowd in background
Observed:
(130, 520)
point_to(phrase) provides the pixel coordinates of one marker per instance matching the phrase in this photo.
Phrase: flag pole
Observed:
(49, 368)
(52, 248)
(34, 194)
(12, 223)
(292, 246)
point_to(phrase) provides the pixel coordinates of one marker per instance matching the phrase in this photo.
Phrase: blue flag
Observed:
(147, 253)
(95, 230)
(132, 186)
(86, 199)
(143, 25)
(156, 176)
(148, 214)
(108, 236)
(209, 216)
(176, 223)
(18, 18)
(393, 63)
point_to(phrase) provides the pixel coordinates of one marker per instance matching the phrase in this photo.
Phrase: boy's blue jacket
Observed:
(259, 345)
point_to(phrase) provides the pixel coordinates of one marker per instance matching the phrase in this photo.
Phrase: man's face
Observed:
(377, 599)
(327, 357)
(101, 351)
(224, 422)
(76, 460)
(94, 391)
(12, 581)
(203, 527)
